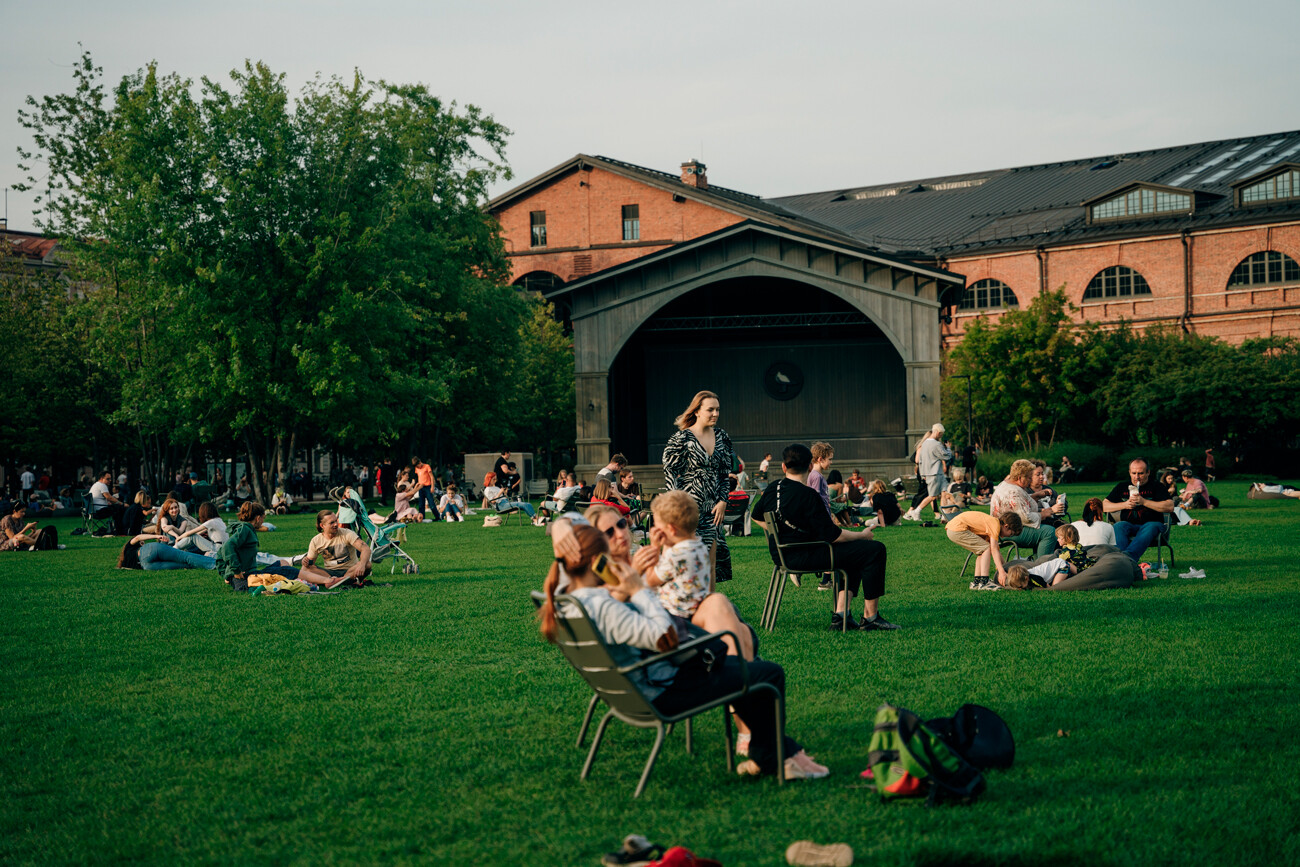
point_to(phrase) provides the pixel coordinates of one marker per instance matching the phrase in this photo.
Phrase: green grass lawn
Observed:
(159, 717)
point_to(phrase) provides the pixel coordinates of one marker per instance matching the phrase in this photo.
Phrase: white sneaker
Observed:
(460, 518)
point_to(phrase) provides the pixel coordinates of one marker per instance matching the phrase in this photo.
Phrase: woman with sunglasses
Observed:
(618, 541)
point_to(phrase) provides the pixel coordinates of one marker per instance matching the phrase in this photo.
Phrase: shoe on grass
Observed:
(978, 583)
(806, 853)
(875, 623)
(748, 768)
(837, 622)
(801, 770)
(796, 579)
(637, 851)
(825, 583)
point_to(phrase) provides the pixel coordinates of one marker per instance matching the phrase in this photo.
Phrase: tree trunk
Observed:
(254, 469)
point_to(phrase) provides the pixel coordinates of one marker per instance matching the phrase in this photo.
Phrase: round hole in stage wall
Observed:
(783, 380)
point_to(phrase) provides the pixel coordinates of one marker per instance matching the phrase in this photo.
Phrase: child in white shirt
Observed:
(682, 576)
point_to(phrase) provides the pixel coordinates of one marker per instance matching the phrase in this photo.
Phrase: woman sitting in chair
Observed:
(603, 495)
(631, 621)
(1093, 529)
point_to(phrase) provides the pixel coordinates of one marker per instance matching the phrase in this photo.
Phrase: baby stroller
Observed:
(385, 542)
(736, 519)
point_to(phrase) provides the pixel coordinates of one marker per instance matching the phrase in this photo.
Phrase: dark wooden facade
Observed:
(859, 329)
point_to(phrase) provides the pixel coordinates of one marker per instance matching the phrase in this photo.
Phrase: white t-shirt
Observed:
(491, 492)
(29, 480)
(99, 495)
(217, 532)
(1100, 533)
(762, 467)
(562, 494)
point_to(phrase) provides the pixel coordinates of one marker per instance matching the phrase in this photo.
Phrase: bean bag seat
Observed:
(1267, 495)
(1113, 569)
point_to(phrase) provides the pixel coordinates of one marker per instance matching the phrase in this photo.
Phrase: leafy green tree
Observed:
(271, 268)
(1032, 373)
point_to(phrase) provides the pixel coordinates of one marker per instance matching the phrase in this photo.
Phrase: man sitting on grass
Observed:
(345, 558)
(981, 534)
(802, 517)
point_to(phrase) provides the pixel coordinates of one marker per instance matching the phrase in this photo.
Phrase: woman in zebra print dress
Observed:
(697, 460)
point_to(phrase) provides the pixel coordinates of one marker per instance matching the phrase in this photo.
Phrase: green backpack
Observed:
(909, 760)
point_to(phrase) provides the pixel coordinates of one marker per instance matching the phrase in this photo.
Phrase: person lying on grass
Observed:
(981, 534)
(238, 555)
(676, 565)
(1043, 575)
(153, 552)
(632, 622)
(345, 558)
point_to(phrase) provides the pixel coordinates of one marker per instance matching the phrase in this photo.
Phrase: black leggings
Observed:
(694, 686)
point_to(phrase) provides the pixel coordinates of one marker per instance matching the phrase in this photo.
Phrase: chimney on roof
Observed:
(693, 175)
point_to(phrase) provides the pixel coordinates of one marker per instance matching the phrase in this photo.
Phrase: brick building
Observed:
(673, 285)
(1205, 237)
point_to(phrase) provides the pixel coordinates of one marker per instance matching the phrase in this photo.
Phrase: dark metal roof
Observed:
(1043, 205)
(743, 204)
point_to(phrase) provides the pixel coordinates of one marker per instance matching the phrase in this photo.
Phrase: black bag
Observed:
(47, 539)
(978, 734)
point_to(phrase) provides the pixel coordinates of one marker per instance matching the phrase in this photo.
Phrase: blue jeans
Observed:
(425, 499)
(507, 505)
(1134, 539)
(156, 555)
(283, 571)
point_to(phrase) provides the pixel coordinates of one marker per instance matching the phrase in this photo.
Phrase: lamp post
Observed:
(970, 407)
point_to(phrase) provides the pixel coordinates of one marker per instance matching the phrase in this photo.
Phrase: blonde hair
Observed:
(877, 486)
(601, 490)
(1017, 578)
(1067, 534)
(1021, 469)
(677, 508)
(687, 418)
(958, 474)
(594, 512)
(822, 451)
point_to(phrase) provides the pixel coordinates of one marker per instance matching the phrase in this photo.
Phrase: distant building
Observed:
(1205, 237)
(675, 285)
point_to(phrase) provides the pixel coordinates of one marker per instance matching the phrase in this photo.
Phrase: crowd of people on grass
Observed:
(647, 599)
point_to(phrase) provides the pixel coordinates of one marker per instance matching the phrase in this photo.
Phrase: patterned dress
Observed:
(688, 467)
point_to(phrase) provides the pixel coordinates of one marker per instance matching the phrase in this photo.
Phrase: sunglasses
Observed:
(621, 525)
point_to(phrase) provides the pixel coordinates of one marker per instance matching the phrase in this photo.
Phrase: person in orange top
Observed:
(980, 534)
(424, 475)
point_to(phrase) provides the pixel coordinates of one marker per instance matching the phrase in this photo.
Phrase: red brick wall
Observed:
(1231, 314)
(585, 209)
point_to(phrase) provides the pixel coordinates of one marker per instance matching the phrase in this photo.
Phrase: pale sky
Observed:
(776, 97)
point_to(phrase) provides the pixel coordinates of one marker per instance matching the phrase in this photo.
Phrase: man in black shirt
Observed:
(801, 516)
(1142, 504)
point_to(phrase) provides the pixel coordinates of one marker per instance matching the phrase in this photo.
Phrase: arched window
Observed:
(988, 295)
(1116, 282)
(539, 281)
(1264, 269)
